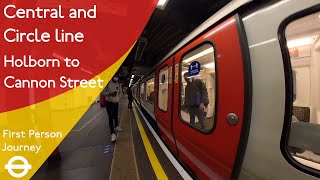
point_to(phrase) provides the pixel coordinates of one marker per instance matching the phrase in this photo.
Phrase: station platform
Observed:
(88, 153)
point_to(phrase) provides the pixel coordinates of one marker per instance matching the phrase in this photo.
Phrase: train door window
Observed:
(136, 92)
(133, 91)
(142, 90)
(198, 79)
(163, 89)
(150, 90)
(303, 51)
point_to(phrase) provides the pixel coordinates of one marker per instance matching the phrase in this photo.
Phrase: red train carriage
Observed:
(259, 67)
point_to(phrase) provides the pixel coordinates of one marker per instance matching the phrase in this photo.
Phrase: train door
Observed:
(163, 101)
(212, 101)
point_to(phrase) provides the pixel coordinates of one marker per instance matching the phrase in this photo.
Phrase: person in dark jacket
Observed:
(130, 97)
(196, 99)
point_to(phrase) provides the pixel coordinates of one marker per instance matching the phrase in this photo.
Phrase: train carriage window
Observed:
(163, 89)
(198, 79)
(150, 90)
(142, 91)
(303, 46)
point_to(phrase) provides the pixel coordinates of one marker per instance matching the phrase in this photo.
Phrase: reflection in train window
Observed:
(133, 88)
(197, 104)
(142, 90)
(136, 92)
(303, 42)
(150, 90)
(163, 89)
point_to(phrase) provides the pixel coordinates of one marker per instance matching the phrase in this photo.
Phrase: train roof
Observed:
(226, 10)
(223, 12)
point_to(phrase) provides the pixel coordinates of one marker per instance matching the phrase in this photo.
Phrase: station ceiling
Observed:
(165, 29)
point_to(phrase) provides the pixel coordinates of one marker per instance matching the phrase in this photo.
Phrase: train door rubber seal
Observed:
(247, 98)
(172, 107)
(289, 90)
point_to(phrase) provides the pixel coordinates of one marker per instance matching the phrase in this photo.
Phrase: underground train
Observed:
(257, 64)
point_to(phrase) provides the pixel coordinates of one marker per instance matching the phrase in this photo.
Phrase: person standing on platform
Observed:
(112, 94)
(130, 97)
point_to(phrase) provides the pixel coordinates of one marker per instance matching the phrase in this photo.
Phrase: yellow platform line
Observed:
(152, 156)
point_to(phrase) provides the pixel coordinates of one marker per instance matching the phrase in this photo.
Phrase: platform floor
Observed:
(87, 152)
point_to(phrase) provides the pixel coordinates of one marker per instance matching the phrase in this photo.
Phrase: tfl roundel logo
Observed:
(12, 165)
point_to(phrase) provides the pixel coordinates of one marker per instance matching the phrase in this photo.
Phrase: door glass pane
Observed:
(198, 94)
(142, 90)
(163, 89)
(302, 37)
(150, 90)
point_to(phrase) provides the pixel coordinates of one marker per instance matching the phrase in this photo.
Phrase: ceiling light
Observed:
(202, 53)
(300, 42)
(162, 4)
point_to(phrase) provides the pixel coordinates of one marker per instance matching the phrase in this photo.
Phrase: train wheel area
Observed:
(88, 153)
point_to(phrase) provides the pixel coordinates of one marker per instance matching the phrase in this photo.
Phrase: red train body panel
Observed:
(164, 117)
(229, 100)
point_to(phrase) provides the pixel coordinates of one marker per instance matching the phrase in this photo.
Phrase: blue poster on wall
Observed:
(194, 68)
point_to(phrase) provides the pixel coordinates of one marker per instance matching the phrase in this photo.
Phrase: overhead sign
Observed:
(194, 68)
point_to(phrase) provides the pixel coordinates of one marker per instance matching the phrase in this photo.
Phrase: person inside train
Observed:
(196, 98)
(151, 97)
(112, 93)
(130, 97)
